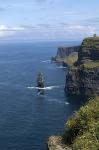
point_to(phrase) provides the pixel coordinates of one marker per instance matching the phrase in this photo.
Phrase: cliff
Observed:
(89, 49)
(81, 130)
(64, 52)
(83, 75)
(83, 81)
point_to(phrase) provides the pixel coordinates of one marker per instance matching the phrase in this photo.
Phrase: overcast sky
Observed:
(48, 19)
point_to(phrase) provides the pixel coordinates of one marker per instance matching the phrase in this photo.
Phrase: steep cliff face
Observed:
(83, 81)
(63, 52)
(83, 77)
(89, 49)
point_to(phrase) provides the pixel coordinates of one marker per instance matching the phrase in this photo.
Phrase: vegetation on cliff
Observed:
(82, 129)
(71, 59)
(91, 64)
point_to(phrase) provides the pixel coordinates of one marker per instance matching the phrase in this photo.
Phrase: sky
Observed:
(48, 19)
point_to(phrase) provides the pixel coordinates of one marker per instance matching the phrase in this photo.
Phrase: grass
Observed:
(71, 59)
(82, 129)
(91, 64)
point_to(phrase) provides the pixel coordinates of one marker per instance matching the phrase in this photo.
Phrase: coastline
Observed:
(89, 77)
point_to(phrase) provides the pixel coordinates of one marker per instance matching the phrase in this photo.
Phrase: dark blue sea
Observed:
(27, 119)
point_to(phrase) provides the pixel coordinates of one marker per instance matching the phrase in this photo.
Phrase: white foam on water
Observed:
(44, 61)
(66, 103)
(62, 67)
(45, 88)
(49, 99)
(57, 101)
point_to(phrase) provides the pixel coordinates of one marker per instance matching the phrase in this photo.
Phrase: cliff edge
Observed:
(83, 75)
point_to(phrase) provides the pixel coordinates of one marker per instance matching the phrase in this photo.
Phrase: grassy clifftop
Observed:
(89, 50)
(87, 55)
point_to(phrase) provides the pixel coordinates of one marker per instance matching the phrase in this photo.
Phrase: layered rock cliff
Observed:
(83, 81)
(64, 52)
(89, 49)
(83, 76)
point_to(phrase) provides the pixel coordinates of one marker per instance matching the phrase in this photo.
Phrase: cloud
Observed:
(82, 29)
(9, 31)
(44, 25)
(47, 31)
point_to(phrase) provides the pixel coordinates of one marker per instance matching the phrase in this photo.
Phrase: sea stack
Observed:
(40, 80)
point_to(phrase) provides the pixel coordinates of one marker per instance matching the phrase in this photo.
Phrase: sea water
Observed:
(27, 118)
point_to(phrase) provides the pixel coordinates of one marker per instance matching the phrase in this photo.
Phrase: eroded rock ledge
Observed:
(56, 143)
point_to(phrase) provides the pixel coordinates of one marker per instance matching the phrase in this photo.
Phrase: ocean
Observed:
(27, 119)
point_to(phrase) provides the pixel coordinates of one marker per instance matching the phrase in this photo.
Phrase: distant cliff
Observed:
(83, 76)
(64, 52)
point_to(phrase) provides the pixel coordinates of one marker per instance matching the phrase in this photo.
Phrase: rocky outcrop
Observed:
(56, 143)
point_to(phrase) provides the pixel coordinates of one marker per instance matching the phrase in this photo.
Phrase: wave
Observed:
(45, 88)
(47, 98)
(62, 67)
(44, 61)
(57, 101)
